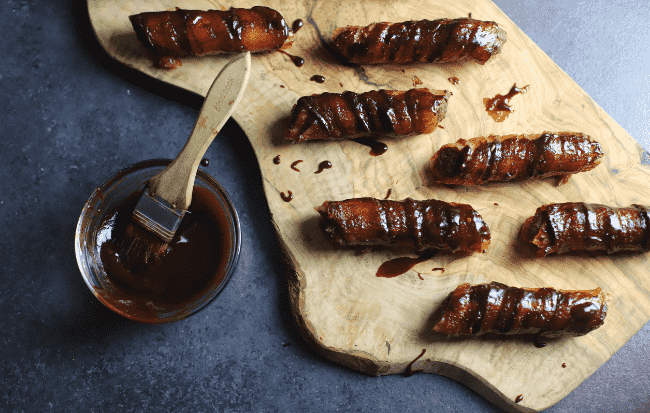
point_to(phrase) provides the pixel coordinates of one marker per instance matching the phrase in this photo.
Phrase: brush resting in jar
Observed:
(193, 264)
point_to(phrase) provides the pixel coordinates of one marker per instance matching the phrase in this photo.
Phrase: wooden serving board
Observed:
(379, 325)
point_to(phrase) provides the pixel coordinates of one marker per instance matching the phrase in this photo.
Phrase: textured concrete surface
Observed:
(71, 117)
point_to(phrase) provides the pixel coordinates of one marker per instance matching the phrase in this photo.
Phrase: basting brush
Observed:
(167, 195)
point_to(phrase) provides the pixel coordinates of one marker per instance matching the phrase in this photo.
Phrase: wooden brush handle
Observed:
(174, 184)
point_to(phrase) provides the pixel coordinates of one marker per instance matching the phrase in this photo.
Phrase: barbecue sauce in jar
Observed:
(194, 264)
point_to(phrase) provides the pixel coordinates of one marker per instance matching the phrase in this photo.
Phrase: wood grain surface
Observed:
(379, 325)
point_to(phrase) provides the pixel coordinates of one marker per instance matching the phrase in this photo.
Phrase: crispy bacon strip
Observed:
(424, 41)
(350, 115)
(515, 157)
(473, 310)
(570, 226)
(196, 32)
(422, 224)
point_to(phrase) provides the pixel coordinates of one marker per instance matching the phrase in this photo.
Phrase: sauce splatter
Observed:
(390, 191)
(441, 127)
(438, 269)
(297, 25)
(519, 398)
(409, 369)
(297, 60)
(416, 81)
(376, 148)
(323, 165)
(539, 344)
(563, 365)
(317, 79)
(293, 165)
(499, 107)
(288, 197)
(276, 160)
(398, 266)
(454, 80)
(205, 162)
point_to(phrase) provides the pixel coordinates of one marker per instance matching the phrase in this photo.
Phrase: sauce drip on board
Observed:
(297, 25)
(499, 107)
(205, 162)
(416, 81)
(438, 269)
(454, 80)
(293, 165)
(538, 343)
(563, 365)
(390, 191)
(519, 398)
(409, 369)
(398, 266)
(317, 79)
(376, 148)
(194, 262)
(276, 160)
(286, 197)
(296, 60)
(323, 165)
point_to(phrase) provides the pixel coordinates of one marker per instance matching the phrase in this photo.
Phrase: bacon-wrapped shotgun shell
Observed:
(571, 226)
(196, 32)
(495, 308)
(514, 157)
(421, 224)
(350, 115)
(423, 41)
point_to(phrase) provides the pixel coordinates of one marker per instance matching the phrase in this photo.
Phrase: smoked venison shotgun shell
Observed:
(421, 224)
(350, 115)
(514, 157)
(198, 33)
(578, 226)
(473, 310)
(423, 41)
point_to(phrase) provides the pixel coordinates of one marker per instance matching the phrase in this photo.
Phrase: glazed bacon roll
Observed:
(196, 32)
(423, 41)
(514, 157)
(577, 226)
(350, 115)
(473, 310)
(422, 224)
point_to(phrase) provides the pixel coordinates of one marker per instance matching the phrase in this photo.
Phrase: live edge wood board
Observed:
(379, 325)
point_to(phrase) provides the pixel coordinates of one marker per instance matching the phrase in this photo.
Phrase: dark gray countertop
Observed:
(71, 118)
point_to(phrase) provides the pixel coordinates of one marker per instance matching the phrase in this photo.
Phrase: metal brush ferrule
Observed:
(157, 215)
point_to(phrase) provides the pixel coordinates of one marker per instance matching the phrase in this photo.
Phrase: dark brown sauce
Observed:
(563, 365)
(323, 165)
(205, 162)
(282, 86)
(398, 266)
(297, 60)
(438, 269)
(293, 165)
(420, 275)
(470, 15)
(440, 126)
(416, 81)
(538, 343)
(390, 191)
(496, 204)
(376, 148)
(288, 197)
(454, 80)
(317, 79)
(519, 398)
(297, 25)
(276, 160)
(168, 62)
(409, 369)
(179, 275)
(499, 107)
